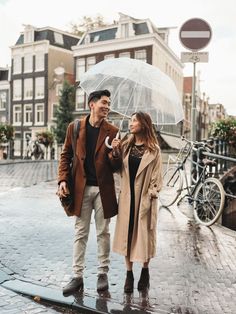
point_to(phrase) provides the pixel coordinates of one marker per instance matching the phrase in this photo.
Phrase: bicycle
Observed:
(206, 193)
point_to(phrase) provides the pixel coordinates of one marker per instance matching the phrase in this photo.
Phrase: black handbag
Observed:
(67, 202)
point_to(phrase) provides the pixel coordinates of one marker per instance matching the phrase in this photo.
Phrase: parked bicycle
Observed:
(204, 192)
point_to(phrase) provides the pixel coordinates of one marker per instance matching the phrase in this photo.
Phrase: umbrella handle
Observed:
(107, 139)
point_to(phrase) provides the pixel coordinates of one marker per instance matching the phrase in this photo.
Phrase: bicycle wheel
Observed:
(171, 188)
(209, 199)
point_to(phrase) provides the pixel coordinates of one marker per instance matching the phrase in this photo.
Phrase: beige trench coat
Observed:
(148, 180)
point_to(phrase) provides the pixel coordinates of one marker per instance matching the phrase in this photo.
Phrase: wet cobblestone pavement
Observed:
(194, 270)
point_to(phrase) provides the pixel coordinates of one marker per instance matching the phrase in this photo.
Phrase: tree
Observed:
(64, 113)
(225, 130)
(6, 133)
(46, 138)
(87, 23)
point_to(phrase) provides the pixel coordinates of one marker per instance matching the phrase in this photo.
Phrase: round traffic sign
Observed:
(195, 34)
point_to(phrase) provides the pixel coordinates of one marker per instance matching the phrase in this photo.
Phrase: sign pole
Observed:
(194, 35)
(193, 119)
(193, 113)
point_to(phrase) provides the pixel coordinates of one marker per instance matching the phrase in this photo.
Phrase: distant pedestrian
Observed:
(135, 232)
(93, 187)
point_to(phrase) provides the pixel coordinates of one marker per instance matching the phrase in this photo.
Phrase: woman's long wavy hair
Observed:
(148, 133)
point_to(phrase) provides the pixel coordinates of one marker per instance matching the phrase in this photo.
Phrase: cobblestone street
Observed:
(194, 270)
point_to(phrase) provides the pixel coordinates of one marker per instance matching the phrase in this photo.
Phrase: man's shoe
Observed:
(75, 285)
(102, 283)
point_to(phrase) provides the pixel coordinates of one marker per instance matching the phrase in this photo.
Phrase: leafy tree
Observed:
(6, 133)
(87, 23)
(64, 113)
(225, 129)
(45, 137)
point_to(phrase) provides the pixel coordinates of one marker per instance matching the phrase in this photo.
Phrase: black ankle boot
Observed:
(143, 283)
(129, 282)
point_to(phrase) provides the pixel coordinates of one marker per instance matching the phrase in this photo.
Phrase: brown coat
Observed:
(104, 164)
(148, 180)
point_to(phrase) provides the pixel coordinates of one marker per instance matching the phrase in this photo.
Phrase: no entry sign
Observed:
(195, 34)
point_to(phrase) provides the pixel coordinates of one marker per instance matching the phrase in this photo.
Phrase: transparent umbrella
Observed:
(136, 86)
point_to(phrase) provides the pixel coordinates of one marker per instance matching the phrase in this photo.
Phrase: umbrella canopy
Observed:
(136, 86)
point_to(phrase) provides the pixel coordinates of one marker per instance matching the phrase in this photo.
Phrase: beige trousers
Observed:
(91, 202)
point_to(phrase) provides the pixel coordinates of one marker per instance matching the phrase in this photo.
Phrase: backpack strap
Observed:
(74, 138)
(75, 134)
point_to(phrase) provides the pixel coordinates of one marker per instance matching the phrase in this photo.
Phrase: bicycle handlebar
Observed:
(197, 145)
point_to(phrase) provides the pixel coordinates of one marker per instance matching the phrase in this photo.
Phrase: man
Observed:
(93, 186)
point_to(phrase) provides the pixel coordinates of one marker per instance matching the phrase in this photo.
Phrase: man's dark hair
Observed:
(96, 95)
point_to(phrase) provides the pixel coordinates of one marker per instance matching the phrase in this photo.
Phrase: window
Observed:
(17, 90)
(28, 88)
(96, 38)
(3, 100)
(124, 54)
(28, 118)
(125, 30)
(17, 144)
(17, 114)
(39, 61)
(87, 39)
(58, 38)
(80, 99)
(39, 87)
(27, 138)
(90, 62)
(39, 114)
(59, 88)
(111, 56)
(28, 35)
(28, 63)
(17, 65)
(80, 67)
(141, 55)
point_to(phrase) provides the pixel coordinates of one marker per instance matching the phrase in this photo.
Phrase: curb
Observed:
(81, 302)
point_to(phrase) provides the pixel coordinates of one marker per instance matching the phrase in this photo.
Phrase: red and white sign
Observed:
(195, 34)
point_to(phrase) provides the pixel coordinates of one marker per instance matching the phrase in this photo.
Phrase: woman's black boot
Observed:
(129, 282)
(143, 283)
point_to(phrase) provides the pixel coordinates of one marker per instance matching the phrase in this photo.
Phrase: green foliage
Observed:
(6, 133)
(225, 129)
(87, 23)
(64, 113)
(45, 137)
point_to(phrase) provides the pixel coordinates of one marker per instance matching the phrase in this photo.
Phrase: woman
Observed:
(135, 232)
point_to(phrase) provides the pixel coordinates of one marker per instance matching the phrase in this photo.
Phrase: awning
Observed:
(173, 141)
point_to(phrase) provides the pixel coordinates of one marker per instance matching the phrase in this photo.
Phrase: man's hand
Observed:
(63, 190)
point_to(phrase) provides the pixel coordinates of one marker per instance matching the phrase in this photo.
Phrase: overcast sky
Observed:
(218, 76)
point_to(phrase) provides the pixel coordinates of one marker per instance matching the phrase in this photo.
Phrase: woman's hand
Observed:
(115, 147)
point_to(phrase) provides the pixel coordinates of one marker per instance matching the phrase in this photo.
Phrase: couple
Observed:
(138, 161)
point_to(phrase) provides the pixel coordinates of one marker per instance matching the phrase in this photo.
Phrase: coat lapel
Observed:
(145, 161)
(81, 139)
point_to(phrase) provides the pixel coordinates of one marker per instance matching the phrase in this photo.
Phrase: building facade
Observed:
(131, 38)
(40, 59)
(5, 95)
(216, 112)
